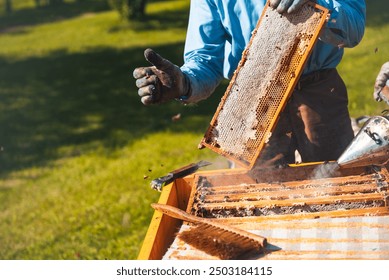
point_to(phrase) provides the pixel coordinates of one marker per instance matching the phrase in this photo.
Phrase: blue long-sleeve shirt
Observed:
(219, 30)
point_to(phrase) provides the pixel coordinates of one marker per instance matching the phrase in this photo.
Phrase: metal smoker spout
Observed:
(370, 146)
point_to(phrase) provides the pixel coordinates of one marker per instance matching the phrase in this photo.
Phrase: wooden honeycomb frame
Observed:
(265, 78)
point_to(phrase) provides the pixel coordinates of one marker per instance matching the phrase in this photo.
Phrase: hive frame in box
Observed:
(265, 78)
(366, 224)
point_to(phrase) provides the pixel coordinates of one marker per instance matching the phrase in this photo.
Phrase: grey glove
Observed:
(288, 6)
(381, 81)
(162, 82)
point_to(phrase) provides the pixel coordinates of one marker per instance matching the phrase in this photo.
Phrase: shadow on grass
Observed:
(19, 19)
(377, 13)
(39, 15)
(68, 104)
(177, 18)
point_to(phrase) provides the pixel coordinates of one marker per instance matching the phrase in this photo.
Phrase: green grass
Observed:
(76, 141)
(361, 64)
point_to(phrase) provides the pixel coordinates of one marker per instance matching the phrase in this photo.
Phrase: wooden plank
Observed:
(271, 203)
(303, 184)
(373, 211)
(284, 194)
(162, 228)
(291, 224)
(289, 173)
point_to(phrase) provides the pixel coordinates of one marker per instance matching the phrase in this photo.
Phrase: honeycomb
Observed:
(266, 76)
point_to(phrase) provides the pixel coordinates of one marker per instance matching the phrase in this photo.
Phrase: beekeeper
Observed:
(315, 121)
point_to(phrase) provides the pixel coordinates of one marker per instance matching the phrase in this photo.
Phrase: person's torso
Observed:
(240, 17)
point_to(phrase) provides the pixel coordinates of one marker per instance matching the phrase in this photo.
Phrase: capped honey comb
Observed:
(266, 76)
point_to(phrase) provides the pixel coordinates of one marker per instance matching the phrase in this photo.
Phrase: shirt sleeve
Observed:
(346, 25)
(204, 50)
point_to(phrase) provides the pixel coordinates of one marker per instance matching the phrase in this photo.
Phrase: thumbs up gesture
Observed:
(161, 82)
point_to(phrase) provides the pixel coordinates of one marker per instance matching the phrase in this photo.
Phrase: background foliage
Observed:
(77, 148)
(130, 9)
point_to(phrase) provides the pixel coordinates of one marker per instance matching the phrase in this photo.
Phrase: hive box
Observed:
(308, 211)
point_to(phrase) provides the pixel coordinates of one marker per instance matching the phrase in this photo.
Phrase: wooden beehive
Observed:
(308, 211)
(265, 78)
(341, 215)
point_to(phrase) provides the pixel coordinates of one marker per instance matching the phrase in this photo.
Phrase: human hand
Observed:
(288, 6)
(161, 82)
(381, 81)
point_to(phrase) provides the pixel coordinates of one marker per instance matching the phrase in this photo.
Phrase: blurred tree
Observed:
(8, 6)
(129, 9)
(55, 2)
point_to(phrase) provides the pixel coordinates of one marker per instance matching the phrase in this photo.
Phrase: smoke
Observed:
(325, 170)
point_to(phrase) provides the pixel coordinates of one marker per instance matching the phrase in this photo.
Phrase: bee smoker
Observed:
(370, 146)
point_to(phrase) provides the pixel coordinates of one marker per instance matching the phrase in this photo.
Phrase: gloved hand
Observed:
(162, 82)
(381, 81)
(288, 6)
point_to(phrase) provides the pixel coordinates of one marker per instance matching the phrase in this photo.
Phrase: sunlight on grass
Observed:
(20, 4)
(360, 67)
(74, 153)
(77, 148)
(92, 32)
(89, 203)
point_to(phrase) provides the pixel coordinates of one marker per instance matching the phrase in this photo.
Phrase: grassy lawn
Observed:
(78, 149)
(361, 64)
